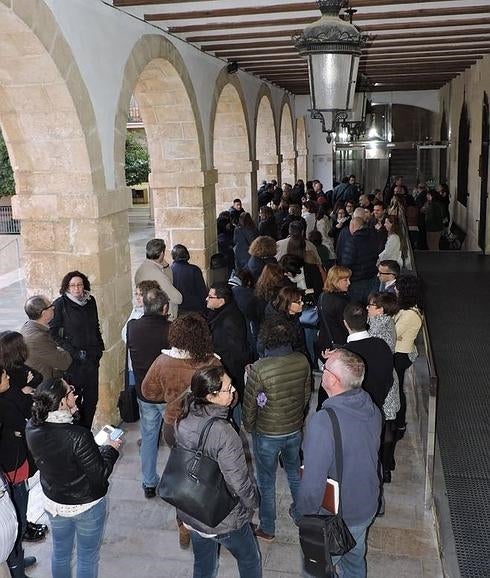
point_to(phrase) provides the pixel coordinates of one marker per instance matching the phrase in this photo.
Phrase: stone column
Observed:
(237, 180)
(288, 167)
(185, 212)
(302, 164)
(269, 168)
(89, 232)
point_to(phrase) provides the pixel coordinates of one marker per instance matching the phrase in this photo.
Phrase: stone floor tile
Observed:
(382, 565)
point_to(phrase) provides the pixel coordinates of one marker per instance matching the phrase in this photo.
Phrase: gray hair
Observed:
(35, 306)
(348, 367)
(155, 301)
(154, 248)
(359, 213)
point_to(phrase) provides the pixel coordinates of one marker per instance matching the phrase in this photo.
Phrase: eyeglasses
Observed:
(75, 285)
(51, 306)
(229, 390)
(212, 297)
(71, 389)
(371, 305)
(385, 273)
(299, 301)
(325, 368)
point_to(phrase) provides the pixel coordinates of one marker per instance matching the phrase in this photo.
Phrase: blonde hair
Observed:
(334, 275)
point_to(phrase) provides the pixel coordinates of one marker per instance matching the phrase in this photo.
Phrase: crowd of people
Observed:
(316, 286)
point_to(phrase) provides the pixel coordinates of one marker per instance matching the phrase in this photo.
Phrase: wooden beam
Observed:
(386, 15)
(303, 5)
(453, 24)
(375, 42)
(312, 6)
(434, 55)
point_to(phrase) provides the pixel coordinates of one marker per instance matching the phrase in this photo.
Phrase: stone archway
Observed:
(237, 174)
(302, 149)
(183, 191)
(286, 145)
(266, 138)
(68, 219)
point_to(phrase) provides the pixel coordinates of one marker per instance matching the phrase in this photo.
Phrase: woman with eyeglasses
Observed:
(211, 396)
(75, 327)
(74, 478)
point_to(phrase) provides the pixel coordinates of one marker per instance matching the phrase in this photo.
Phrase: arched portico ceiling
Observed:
(45, 111)
(157, 75)
(441, 37)
(287, 147)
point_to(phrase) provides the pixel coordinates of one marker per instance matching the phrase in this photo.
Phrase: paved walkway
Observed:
(141, 538)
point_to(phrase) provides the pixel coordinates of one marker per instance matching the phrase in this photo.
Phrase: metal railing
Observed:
(8, 225)
(425, 393)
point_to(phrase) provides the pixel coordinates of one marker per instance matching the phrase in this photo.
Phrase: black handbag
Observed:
(128, 402)
(322, 536)
(193, 483)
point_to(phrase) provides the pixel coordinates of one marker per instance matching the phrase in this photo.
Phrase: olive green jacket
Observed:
(276, 394)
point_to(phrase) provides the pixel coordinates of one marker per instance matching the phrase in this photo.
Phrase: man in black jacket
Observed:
(375, 353)
(147, 337)
(229, 331)
(361, 256)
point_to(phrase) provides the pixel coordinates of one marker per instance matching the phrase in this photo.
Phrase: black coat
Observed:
(298, 335)
(13, 447)
(242, 238)
(146, 337)
(268, 228)
(74, 470)
(378, 359)
(331, 313)
(361, 254)
(229, 331)
(76, 327)
(189, 281)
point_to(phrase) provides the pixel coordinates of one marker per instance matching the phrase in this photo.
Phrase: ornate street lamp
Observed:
(332, 47)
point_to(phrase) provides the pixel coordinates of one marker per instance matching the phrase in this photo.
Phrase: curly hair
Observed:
(191, 333)
(410, 294)
(270, 281)
(69, 276)
(263, 247)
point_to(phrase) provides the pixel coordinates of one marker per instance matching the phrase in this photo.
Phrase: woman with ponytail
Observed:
(211, 396)
(74, 477)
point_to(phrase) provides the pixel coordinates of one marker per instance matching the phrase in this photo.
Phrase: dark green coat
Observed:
(286, 383)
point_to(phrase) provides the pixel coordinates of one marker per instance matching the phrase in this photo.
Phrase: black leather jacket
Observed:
(74, 470)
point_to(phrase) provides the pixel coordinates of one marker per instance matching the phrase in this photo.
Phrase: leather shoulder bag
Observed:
(193, 483)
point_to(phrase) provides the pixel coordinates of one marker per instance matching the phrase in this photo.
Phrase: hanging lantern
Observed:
(332, 47)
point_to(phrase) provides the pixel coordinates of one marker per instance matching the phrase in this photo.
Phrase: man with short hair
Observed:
(156, 268)
(360, 426)
(147, 337)
(44, 354)
(374, 351)
(388, 272)
(379, 215)
(360, 254)
(236, 210)
(276, 395)
(229, 332)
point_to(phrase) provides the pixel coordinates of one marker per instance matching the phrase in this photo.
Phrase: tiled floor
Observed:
(141, 539)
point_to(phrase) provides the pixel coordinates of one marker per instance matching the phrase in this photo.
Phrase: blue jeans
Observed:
(241, 543)
(266, 452)
(88, 528)
(151, 415)
(353, 564)
(19, 496)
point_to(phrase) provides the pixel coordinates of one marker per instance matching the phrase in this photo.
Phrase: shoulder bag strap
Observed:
(205, 432)
(337, 436)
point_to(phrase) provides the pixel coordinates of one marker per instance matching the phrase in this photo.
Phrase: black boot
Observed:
(18, 571)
